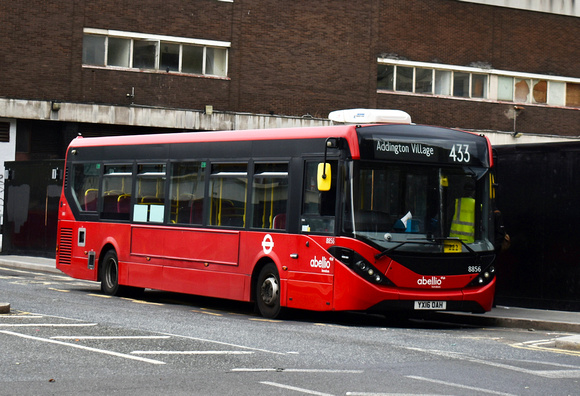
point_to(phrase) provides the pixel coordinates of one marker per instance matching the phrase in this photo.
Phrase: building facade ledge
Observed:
(146, 116)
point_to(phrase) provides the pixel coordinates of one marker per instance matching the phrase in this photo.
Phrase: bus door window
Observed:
(228, 191)
(150, 193)
(116, 191)
(319, 207)
(85, 185)
(270, 196)
(187, 192)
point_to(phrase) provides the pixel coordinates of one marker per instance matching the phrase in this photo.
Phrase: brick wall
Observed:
(456, 33)
(291, 58)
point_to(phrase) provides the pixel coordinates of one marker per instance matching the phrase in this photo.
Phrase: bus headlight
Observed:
(484, 277)
(359, 265)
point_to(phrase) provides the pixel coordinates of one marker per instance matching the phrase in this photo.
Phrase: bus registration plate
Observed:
(430, 304)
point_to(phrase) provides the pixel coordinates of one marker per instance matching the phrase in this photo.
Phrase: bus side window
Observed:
(228, 191)
(319, 207)
(187, 192)
(149, 205)
(117, 188)
(85, 186)
(270, 196)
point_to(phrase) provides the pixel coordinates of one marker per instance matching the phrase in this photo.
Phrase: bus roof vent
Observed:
(370, 116)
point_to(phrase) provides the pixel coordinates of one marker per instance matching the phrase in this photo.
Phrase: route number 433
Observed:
(460, 153)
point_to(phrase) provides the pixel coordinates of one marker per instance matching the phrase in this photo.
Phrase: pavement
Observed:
(499, 316)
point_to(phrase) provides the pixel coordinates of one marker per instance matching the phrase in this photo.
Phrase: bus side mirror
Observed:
(323, 177)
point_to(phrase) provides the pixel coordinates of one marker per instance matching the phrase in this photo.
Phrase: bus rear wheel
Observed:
(268, 292)
(110, 274)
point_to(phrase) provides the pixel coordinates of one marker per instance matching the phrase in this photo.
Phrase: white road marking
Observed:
(108, 337)
(47, 324)
(554, 374)
(117, 354)
(224, 343)
(192, 352)
(302, 390)
(452, 384)
(289, 370)
(387, 394)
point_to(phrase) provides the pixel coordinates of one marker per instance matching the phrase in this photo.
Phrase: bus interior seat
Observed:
(279, 222)
(189, 209)
(110, 203)
(123, 203)
(91, 199)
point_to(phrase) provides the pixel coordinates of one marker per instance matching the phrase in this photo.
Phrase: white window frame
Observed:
(159, 39)
(491, 89)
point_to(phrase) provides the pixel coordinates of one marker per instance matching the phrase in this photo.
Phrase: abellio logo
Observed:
(433, 281)
(323, 263)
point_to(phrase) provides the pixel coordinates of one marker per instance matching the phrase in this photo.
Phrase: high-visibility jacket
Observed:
(463, 223)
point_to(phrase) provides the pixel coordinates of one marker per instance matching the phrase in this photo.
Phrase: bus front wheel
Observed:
(268, 292)
(110, 274)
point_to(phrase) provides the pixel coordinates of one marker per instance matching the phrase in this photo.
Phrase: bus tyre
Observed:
(268, 292)
(110, 274)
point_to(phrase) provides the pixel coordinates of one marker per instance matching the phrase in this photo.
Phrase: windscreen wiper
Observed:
(423, 241)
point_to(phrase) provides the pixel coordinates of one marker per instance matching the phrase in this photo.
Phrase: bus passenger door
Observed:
(311, 278)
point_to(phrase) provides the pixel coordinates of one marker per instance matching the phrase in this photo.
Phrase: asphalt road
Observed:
(64, 337)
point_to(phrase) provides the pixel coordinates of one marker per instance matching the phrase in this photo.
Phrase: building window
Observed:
(116, 49)
(424, 81)
(119, 52)
(4, 132)
(479, 86)
(169, 57)
(442, 82)
(94, 50)
(144, 54)
(385, 77)
(573, 95)
(557, 93)
(192, 61)
(505, 88)
(475, 83)
(427, 81)
(540, 91)
(461, 84)
(522, 91)
(404, 79)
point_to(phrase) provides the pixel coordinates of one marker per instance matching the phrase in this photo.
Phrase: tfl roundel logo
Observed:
(267, 244)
